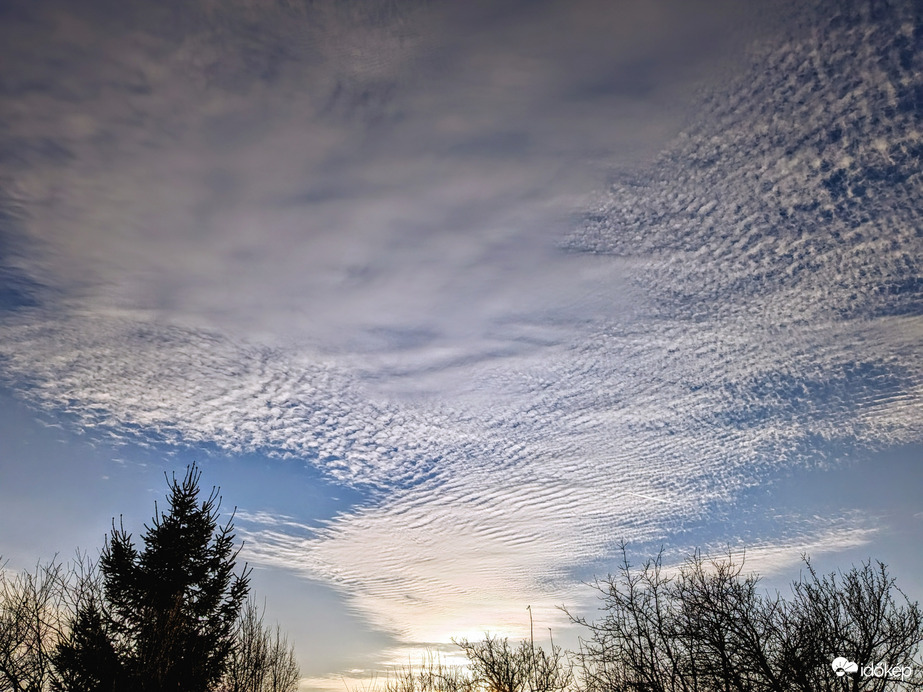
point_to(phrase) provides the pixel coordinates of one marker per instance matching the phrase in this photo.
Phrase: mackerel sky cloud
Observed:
(469, 292)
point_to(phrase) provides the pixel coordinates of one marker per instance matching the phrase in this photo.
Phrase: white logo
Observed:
(841, 666)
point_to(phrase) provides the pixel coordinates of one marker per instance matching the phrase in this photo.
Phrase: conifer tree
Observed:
(168, 613)
(87, 659)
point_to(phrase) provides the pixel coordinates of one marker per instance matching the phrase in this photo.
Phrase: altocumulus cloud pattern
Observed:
(766, 269)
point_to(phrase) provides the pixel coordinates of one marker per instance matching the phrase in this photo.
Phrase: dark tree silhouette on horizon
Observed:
(166, 617)
(498, 666)
(262, 659)
(709, 627)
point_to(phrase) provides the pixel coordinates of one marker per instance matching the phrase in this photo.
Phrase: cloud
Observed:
(343, 243)
(380, 162)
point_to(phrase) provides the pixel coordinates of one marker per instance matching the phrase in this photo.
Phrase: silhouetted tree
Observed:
(32, 622)
(501, 667)
(494, 665)
(87, 658)
(709, 627)
(166, 617)
(261, 659)
(431, 675)
(861, 615)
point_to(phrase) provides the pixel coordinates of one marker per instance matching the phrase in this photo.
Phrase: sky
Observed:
(451, 299)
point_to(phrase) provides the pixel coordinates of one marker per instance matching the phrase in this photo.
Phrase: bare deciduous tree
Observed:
(494, 665)
(708, 627)
(261, 660)
(431, 675)
(863, 616)
(500, 667)
(32, 622)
